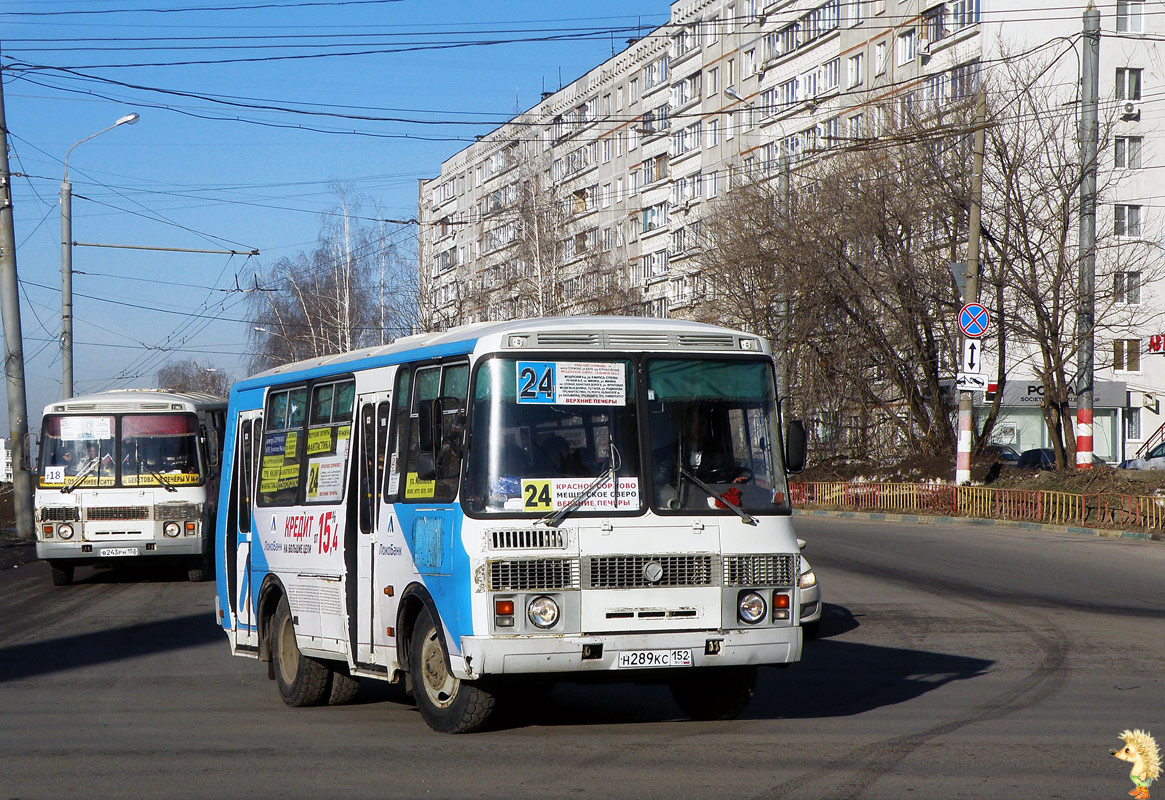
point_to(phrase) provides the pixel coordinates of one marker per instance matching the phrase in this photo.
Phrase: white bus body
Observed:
(349, 545)
(129, 474)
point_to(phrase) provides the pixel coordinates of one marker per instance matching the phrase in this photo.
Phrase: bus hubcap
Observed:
(440, 686)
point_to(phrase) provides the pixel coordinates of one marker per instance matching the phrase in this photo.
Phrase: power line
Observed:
(182, 10)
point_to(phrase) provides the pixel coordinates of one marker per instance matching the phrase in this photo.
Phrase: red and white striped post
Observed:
(1084, 438)
(963, 457)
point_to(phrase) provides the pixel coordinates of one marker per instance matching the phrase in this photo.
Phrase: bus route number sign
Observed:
(536, 382)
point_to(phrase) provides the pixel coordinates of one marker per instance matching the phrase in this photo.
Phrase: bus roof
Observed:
(131, 400)
(576, 333)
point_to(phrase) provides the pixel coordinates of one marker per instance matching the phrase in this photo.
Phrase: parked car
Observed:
(1045, 458)
(1154, 459)
(810, 598)
(1003, 452)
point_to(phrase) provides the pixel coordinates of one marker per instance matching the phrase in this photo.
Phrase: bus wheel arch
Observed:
(269, 595)
(413, 601)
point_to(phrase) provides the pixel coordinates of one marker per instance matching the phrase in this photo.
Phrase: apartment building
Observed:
(631, 152)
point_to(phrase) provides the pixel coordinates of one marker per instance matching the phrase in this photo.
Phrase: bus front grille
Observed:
(107, 513)
(527, 539)
(638, 572)
(58, 514)
(533, 574)
(761, 570)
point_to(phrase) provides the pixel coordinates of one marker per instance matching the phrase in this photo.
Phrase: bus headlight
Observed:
(171, 529)
(808, 579)
(65, 531)
(751, 607)
(543, 611)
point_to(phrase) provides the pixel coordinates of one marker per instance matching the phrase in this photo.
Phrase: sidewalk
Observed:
(923, 519)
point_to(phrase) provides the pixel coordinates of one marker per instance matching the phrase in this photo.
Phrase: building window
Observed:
(713, 132)
(963, 13)
(1128, 83)
(934, 25)
(1126, 220)
(879, 6)
(788, 92)
(749, 64)
(854, 127)
(1126, 355)
(713, 80)
(830, 74)
(854, 12)
(880, 59)
(964, 80)
(1129, 15)
(1126, 287)
(907, 47)
(1133, 424)
(1128, 152)
(730, 75)
(634, 90)
(855, 69)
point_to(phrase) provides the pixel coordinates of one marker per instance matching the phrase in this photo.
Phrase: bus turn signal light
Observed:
(504, 608)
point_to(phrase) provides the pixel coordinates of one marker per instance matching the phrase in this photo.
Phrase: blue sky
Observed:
(180, 179)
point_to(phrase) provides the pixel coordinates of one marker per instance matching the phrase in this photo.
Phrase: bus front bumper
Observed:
(113, 550)
(520, 655)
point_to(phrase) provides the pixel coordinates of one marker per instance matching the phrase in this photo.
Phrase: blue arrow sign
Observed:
(974, 320)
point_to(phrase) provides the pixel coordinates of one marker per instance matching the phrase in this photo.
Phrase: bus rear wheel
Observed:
(62, 573)
(718, 693)
(447, 704)
(302, 681)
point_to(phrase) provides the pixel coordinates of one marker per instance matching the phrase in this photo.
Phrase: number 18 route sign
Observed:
(974, 320)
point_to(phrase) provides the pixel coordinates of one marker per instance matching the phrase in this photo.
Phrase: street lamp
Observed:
(67, 262)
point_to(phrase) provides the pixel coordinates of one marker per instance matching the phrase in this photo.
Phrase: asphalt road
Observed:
(956, 662)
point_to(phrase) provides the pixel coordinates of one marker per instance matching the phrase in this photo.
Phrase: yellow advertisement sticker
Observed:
(289, 476)
(536, 495)
(291, 442)
(417, 489)
(319, 440)
(344, 432)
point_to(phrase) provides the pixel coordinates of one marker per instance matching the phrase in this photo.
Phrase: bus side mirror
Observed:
(25, 461)
(427, 418)
(212, 446)
(795, 446)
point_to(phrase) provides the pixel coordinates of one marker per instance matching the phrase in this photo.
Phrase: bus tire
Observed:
(302, 681)
(344, 688)
(62, 573)
(811, 630)
(718, 693)
(447, 704)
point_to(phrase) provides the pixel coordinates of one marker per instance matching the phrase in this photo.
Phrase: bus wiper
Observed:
(554, 517)
(165, 485)
(740, 512)
(84, 473)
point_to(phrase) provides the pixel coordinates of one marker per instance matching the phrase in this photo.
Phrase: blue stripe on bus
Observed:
(460, 348)
(439, 556)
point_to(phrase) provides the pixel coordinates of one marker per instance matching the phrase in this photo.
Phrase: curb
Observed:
(922, 519)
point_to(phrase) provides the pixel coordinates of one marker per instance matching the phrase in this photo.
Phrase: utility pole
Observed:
(13, 343)
(780, 352)
(966, 410)
(1086, 313)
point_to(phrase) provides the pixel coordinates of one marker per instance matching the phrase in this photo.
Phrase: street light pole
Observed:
(67, 263)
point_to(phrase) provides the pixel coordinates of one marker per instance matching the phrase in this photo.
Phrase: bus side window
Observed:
(447, 386)
(367, 458)
(383, 421)
(455, 385)
(245, 475)
(329, 440)
(283, 445)
(399, 435)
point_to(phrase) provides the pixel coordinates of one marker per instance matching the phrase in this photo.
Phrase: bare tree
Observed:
(352, 290)
(190, 376)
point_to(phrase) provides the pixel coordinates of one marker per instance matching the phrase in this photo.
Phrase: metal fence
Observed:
(1101, 509)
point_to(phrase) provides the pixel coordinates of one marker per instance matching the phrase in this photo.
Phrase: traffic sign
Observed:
(974, 320)
(972, 356)
(970, 383)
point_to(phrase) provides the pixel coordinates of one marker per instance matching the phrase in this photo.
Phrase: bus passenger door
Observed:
(240, 533)
(374, 416)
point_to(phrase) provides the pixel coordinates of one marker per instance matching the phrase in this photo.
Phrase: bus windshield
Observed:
(546, 431)
(713, 435)
(159, 450)
(126, 450)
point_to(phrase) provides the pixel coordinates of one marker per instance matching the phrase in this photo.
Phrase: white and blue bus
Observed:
(510, 504)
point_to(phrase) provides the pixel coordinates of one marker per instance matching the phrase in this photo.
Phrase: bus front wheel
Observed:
(447, 704)
(302, 681)
(718, 693)
(62, 573)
